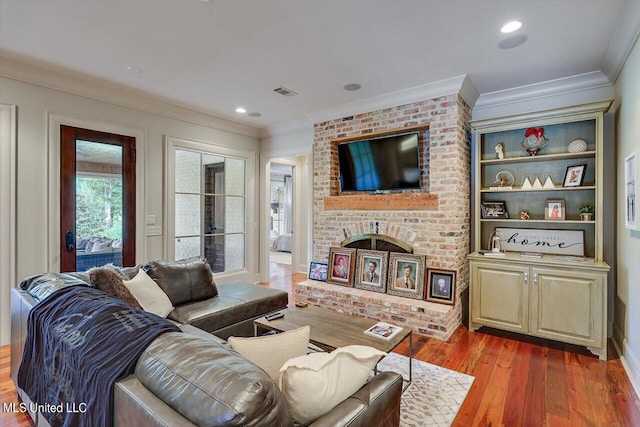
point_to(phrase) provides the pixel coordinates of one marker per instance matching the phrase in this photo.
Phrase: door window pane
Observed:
(187, 247)
(99, 204)
(187, 172)
(187, 214)
(234, 251)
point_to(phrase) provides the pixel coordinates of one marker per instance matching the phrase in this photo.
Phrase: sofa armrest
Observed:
(135, 405)
(376, 403)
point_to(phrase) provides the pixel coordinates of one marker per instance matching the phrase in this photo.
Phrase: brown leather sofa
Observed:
(216, 386)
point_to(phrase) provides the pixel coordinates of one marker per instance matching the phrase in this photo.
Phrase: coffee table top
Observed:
(330, 329)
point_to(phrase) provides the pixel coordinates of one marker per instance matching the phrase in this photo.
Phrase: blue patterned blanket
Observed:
(79, 342)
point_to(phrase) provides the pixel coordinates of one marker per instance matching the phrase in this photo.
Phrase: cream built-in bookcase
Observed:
(554, 296)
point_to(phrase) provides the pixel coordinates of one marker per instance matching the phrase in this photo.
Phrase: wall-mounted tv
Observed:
(380, 164)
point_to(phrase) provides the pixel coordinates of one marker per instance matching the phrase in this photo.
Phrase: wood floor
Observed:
(519, 381)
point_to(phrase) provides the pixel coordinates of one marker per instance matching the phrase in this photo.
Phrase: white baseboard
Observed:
(630, 363)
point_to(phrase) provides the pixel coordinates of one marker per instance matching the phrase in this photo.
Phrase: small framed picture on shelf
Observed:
(554, 209)
(371, 270)
(630, 192)
(342, 262)
(441, 286)
(318, 271)
(494, 210)
(574, 176)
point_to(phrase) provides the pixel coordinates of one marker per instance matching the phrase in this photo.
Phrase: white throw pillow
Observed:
(149, 294)
(314, 384)
(270, 352)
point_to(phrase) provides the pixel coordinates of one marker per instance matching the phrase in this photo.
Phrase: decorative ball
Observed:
(578, 146)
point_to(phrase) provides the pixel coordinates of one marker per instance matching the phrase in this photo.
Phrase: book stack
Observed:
(492, 254)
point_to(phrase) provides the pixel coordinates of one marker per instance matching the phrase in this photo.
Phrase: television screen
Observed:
(378, 164)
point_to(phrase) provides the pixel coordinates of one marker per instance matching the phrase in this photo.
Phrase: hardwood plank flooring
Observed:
(519, 381)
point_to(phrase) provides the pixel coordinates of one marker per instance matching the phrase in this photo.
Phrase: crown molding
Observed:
(72, 82)
(573, 90)
(622, 41)
(401, 97)
(285, 128)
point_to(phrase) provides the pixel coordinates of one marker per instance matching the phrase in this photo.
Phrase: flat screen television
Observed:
(380, 164)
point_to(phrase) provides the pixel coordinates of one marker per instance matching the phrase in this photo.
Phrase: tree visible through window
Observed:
(99, 207)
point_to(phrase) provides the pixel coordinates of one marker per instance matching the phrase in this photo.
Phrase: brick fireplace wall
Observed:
(440, 233)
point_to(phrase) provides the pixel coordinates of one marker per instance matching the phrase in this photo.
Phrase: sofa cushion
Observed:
(183, 281)
(236, 302)
(210, 384)
(149, 294)
(313, 384)
(270, 352)
(110, 282)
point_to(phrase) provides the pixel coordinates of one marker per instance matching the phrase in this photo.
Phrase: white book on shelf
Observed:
(383, 330)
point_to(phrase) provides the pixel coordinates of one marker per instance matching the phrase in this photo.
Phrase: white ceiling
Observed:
(213, 56)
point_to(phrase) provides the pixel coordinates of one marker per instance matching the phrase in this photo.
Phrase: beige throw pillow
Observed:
(314, 384)
(149, 294)
(270, 352)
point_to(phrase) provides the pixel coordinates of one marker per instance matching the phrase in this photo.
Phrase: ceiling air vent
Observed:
(284, 91)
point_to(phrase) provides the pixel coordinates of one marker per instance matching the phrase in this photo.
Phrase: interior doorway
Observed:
(281, 214)
(97, 199)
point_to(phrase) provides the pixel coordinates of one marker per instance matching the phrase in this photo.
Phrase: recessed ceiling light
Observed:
(510, 27)
(351, 86)
(512, 41)
(133, 69)
(240, 110)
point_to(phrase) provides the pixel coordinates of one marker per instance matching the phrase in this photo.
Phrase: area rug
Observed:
(435, 394)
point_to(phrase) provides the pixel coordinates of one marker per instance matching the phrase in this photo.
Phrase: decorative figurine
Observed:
(500, 150)
(525, 215)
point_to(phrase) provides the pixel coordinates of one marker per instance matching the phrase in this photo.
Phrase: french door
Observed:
(97, 199)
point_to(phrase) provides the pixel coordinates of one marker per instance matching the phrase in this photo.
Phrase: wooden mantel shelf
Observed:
(382, 202)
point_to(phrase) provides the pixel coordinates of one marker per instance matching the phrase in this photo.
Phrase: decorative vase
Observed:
(533, 144)
(588, 216)
(577, 146)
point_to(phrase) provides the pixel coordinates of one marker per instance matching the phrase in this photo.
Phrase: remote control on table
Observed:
(274, 316)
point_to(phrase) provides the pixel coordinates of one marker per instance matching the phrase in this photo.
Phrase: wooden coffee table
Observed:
(330, 330)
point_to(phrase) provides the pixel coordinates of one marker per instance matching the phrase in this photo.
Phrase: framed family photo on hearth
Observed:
(342, 262)
(406, 275)
(441, 286)
(318, 271)
(371, 270)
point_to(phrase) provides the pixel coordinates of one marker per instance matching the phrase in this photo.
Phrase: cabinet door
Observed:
(499, 296)
(567, 305)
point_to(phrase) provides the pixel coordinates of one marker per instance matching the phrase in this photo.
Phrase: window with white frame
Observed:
(210, 208)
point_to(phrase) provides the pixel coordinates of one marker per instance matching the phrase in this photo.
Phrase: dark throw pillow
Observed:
(185, 280)
(110, 282)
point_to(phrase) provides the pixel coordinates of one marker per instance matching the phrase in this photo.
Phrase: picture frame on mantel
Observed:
(406, 275)
(631, 192)
(342, 262)
(441, 286)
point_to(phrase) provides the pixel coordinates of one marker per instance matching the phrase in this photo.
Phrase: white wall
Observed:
(627, 298)
(35, 107)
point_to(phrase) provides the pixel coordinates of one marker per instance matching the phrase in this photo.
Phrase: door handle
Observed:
(70, 241)
(526, 278)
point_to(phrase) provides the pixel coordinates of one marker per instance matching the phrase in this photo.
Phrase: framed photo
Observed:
(406, 275)
(554, 209)
(574, 176)
(558, 242)
(383, 330)
(630, 192)
(342, 262)
(318, 271)
(494, 210)
(371, 270)
(441, 286)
